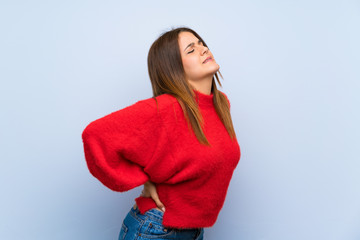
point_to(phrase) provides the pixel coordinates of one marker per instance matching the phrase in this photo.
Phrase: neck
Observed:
(203, 86)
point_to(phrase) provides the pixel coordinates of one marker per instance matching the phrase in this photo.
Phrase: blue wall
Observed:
(291, 71)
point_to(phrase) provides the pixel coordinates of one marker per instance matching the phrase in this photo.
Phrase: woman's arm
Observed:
(120, 145)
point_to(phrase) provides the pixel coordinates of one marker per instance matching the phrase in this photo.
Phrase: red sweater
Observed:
(145, 142)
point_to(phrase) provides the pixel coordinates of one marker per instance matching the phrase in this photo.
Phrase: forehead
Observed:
(186, 38)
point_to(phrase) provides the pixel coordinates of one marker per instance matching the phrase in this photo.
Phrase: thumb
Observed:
(159, 204)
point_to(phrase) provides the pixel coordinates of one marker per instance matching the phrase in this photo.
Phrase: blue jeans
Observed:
(149, 226)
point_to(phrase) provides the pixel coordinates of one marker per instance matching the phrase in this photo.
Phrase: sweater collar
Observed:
(203, 99)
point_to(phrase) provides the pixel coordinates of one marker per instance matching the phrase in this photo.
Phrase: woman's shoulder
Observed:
(141, 112)
(161, 102)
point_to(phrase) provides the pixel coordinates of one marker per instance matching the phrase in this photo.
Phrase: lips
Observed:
(207, 59)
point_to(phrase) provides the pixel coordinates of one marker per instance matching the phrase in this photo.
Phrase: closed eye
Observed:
(199, 42)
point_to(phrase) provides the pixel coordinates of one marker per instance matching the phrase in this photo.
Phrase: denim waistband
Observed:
(150, 223)
(154, 214)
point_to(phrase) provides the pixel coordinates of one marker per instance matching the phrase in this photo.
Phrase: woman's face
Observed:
(198, 61)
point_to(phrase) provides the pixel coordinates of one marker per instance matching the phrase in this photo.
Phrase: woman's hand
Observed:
(150, 191)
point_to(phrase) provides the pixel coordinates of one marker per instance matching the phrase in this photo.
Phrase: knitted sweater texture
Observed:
(151, 141)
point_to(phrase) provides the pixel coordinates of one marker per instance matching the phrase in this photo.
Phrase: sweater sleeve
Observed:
(118, 146)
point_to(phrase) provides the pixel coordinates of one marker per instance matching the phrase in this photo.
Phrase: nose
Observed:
(204, 50)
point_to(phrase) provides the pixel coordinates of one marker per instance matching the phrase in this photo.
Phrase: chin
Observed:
(215, 69)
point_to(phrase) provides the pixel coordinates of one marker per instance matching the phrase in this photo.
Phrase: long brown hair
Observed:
(167, 75)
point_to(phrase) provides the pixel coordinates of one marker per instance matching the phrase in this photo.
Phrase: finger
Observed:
(159, 204)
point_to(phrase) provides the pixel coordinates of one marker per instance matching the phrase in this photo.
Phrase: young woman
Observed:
(180, 144)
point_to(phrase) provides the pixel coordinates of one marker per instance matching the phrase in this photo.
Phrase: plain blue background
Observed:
(291, 72)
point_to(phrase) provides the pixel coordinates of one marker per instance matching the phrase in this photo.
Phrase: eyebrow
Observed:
(192, 44)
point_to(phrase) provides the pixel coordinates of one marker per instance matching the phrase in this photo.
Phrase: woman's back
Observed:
(152, 142)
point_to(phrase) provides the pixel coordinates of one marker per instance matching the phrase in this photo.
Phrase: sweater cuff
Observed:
(145, 203)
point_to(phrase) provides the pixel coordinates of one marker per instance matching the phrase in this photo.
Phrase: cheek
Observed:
(190, 65)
